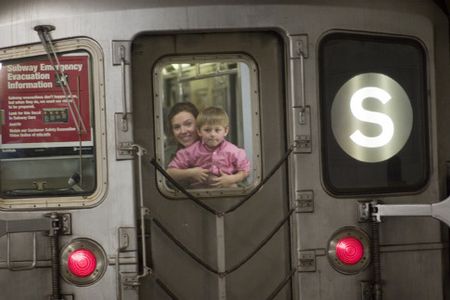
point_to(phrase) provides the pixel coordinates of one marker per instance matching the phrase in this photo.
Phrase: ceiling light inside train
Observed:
(371, 117)
(174, 67)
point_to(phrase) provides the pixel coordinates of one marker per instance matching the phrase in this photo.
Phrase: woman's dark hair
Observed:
(180, 107)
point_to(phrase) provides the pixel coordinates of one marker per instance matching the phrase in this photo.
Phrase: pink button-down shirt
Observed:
(226, 158)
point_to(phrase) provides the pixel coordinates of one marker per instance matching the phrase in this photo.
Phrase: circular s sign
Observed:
(371, 117)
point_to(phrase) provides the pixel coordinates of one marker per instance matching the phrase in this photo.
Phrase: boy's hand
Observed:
(198, 175)
(223, 180)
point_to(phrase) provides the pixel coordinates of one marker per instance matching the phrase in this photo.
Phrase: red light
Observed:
(81, 262)
(349, 250)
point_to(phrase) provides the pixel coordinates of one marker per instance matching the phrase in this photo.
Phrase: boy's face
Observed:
(212, 135)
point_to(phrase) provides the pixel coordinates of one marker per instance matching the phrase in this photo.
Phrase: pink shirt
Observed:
(226, 158)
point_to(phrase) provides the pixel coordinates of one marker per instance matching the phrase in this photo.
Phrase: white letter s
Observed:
(364, 115)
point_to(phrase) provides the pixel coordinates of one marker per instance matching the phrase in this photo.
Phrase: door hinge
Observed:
(307, 259)
(305, 201)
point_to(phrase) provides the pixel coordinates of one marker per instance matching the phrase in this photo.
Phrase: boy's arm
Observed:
(188, 175)
(242, 166)
(227, 180)
(180, 170)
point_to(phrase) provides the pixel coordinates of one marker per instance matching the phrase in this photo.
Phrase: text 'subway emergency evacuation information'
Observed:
(35, 111)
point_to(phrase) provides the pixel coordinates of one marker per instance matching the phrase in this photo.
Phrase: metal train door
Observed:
(194, 250)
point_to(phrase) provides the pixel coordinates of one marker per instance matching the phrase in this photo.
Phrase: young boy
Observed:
(225, 164)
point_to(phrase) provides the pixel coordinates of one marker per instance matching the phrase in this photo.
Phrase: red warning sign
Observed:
(35, 109)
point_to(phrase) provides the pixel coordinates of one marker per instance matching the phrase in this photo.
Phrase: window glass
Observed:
(374, 112)
(47, 144)
(226, 82)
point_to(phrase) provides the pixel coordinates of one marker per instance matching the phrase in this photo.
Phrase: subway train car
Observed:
(341, 108)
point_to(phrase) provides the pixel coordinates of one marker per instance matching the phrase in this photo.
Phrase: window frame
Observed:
(97, 94)
(158, 100)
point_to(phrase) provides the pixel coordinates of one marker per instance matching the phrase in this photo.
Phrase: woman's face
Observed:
(184, 129)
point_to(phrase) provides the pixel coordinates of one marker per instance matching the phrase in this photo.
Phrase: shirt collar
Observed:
(220, 146)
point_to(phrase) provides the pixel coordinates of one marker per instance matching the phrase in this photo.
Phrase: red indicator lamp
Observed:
(349, 250)
(82, 262)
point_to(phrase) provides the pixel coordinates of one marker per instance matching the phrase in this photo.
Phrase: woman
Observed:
(183, 128)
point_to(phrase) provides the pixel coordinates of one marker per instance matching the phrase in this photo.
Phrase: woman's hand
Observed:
(197, 175)
(225, 180)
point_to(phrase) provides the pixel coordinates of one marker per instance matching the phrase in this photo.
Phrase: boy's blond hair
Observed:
(212, 116)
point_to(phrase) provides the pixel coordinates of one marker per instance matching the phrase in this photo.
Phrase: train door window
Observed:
(228, 82)
(374, 113)
(52, 141)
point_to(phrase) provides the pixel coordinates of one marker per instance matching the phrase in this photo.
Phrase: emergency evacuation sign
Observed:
(36, 113)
